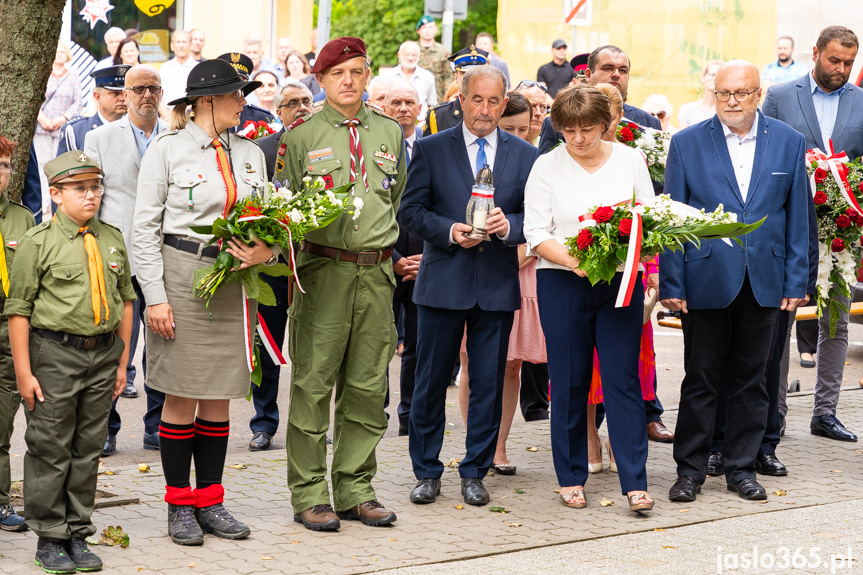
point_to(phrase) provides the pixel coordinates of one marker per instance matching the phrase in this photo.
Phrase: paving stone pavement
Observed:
(822, 473)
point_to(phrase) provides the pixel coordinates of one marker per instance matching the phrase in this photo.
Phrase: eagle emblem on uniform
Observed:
(82, 157)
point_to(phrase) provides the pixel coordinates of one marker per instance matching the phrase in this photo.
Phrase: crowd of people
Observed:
(499, 299)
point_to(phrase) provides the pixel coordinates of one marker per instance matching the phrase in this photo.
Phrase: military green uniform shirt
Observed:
(434, 58)
(50, 281)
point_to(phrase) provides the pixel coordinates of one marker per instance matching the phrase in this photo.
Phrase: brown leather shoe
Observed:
(656, 431)
(319, 518)
(370, 513)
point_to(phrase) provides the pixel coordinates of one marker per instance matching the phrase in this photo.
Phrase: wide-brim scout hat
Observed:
(470, 56)
(214, 78)
(71, 167)
(337, 51)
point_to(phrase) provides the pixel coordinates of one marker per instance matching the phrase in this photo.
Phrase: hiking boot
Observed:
(182, 526)
(215, 519)
(85, 560)
(11, 521)
(51, 556)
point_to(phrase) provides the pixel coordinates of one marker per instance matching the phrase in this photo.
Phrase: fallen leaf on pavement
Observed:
(858, 451)
(606, 502)
(683, 510)
(294, 542)
(779, 492)
(453, 463)
(459, 507)
(192, 564)
(143, 467)
(669, 547)
(110, 536)
(660, 529)
(498, 509)
(532, 448)
(239, 466)
(835, 471)
(513, 524)
(266, 558)
(519, 491)
(393, 539)
(110, 473)
(503, 496)
(557, 490)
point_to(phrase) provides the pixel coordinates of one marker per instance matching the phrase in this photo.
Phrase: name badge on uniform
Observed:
(282, 148)
(322, 154)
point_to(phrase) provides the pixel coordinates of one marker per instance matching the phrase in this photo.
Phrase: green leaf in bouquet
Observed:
(220, 229)
(225, 260)
(265, 294)
(257, 372)
(277, 270)
(204, 230)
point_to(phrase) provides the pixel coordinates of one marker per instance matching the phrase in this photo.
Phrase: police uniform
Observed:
(74, 354)
(15, 220)
(448, 114)
(342, 329)
(434, 58)
(74, 131)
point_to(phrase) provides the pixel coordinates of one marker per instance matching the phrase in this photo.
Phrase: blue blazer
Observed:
(436, 197)
(699, 173)
(791, 103)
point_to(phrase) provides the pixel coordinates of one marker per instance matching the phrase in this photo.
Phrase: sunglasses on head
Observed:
(531, 84)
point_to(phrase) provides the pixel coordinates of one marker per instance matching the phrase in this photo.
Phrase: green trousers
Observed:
(9, 402)
(65, 434)
(342, 337)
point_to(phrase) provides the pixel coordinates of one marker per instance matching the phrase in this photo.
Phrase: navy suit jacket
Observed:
(699, 173)
(438, 190)
(31, 196)
(407, 244)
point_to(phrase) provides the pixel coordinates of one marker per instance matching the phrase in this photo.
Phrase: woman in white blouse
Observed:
(564, 184)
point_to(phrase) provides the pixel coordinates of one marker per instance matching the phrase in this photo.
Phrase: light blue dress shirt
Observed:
(141, 138)
(826, 108)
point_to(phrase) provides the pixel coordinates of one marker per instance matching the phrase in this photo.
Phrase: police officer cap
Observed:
(242, 63)
(424, 20)
(111, 78)
(337, 51)
(214, 78)
(470, 56)
(72, 166)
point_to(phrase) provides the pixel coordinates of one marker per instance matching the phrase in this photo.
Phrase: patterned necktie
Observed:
(356, 151)
(481, 159)
(4, 271)
(227, 177)
(97, 274)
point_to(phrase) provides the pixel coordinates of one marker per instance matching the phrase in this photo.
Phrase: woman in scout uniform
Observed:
(15, 220)
(196, 355)
(70, 319)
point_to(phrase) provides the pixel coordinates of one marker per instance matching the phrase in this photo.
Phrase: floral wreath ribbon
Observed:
(835, 163)
(633, 251)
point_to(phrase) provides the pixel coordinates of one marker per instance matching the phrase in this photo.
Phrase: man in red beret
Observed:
(342, 332)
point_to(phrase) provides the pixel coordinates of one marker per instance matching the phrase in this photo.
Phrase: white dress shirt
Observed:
(423, 82)
(742, 152)
(409, 144)
(174, 75)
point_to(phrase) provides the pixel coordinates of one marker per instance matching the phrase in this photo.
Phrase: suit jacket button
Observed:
(482, 249)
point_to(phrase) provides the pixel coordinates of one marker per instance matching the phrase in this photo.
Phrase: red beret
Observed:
(337, 51)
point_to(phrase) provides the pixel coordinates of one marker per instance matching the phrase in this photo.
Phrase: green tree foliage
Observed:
(385, 24)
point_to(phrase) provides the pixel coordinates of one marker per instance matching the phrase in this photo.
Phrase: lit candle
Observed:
(479, 219)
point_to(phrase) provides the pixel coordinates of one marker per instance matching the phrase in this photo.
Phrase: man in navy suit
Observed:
(731, 295)
(402, 103)
(824, 106)
(462, 280)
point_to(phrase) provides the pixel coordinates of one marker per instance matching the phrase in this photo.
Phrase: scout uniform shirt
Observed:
(434, 59)
(15, 220)
(319, 146)
(50, 281)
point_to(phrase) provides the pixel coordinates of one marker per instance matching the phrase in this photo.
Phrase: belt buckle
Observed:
(89, 342)
(367, 258)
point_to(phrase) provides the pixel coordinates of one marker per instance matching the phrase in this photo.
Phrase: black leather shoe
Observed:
(684, 489)
(829, 426)
(130, 392)
(151, 441)
(110, 447)
(426, 490)
(403, 430)
(474, 491)
(715, 465)
(261, 441)
(748, 489)
(768, 464)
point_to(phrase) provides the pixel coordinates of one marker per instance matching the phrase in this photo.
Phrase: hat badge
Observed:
(82, 158)
(235, 57)
(473, 51)
(347, 50)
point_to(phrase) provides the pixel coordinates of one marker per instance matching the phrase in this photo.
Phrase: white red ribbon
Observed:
(836, 164)
(250, 352)
(630, 267)
(269, 342)
(290, 244)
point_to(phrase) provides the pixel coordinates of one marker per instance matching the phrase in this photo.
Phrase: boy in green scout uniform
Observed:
(70, 318)
(342, 334)
(15, 220)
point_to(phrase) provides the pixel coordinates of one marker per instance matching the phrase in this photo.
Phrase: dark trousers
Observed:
(437, 350)
(265, 397)
(155, 399)
(533, 393)
(731, 348)
(406, 309)
(774, 384)
(807, 336)
(576, 317)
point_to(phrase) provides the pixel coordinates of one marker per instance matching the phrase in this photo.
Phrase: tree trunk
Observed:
(28, 44)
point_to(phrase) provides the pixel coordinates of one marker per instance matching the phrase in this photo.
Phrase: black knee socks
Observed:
(176, 443)
(211, 446)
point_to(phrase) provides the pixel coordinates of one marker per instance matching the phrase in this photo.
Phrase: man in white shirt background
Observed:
(197, 44)
(175, 71)
(421, 79)
(113, 37)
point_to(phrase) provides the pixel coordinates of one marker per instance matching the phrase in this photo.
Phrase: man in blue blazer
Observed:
(731, 294)
(462, 280)
(824, 106)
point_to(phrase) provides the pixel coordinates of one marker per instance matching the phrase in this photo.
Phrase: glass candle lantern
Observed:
(481, 204)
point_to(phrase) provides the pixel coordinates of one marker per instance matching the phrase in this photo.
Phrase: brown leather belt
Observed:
(359, 258)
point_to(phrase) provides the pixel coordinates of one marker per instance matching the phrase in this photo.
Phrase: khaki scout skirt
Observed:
(206, 359)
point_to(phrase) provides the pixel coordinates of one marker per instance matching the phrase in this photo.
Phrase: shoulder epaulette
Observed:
(112, 226)
(38, 228)
(298, 122)
(168, 133)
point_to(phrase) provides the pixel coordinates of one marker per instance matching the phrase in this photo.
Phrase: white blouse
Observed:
(559, 190)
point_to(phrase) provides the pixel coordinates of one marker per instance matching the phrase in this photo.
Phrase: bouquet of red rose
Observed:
(621, 234)
(652, 143)
(254, 130)
(838, 186)
(280, 219)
